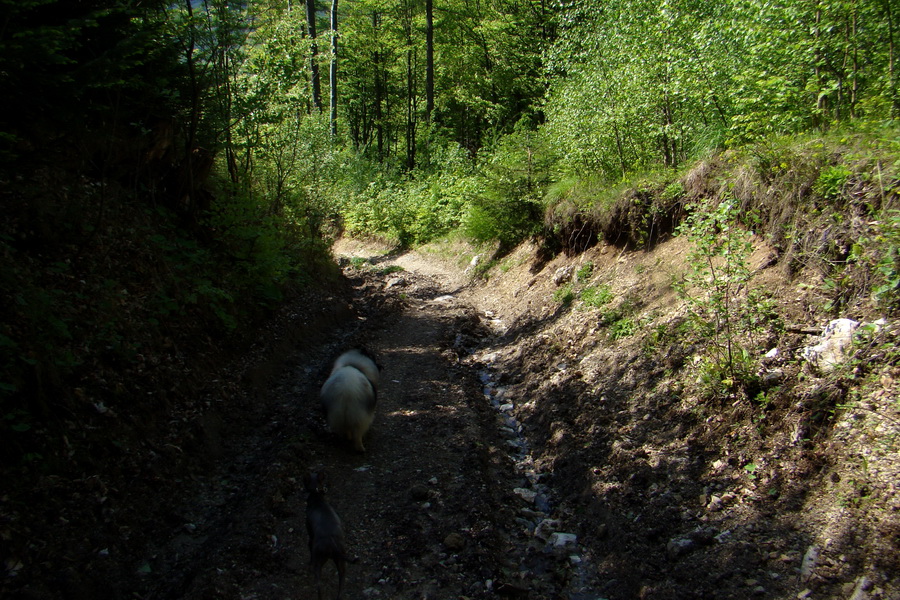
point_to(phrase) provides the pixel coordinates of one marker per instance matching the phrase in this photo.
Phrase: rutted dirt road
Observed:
(430, 510)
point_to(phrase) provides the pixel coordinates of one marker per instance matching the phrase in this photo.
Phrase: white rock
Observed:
(473, 263)
(562, 275)
(560, 540)
(860, 590)
(526, 494)
(678, 546)
(809, 562)
(394, 282)
(834, 346)
(546, 528)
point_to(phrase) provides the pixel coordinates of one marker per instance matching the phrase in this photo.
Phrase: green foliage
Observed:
(486, 73)
(660, 336)
(565, 294)
(887, 292)
(723, 309)
(831, 181)
(584, 271)
(622, 328)
(643, 80)
(414, 208)
(721, 376)
(62, 63)
(483, 268)
(636, 84)
(877, 253)
(509, 208)
(619, 319)
(596, 296)
(672, 192)
(508, 222)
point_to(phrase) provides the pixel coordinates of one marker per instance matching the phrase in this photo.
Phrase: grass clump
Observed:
(596, 296)
(565, 295)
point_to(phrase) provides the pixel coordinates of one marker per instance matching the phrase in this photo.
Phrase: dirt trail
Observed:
(430, 510)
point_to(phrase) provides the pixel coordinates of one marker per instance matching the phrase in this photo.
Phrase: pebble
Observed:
(863, 585)
(419, 492)
(808, 565)
(525, 524)
(679, 546)
(526, 494)
(546, 528)
(507, 432)
(559, 540)
(394, 282)
(454, 542)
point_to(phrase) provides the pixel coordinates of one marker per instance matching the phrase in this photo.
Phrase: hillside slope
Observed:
(672, 494)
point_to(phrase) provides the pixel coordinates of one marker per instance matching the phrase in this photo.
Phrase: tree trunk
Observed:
(379, 90)
(892, 75)
(194, 119)
(429, 60)
(313, 58)
(410, 92)
(334, 65)
(410, 107)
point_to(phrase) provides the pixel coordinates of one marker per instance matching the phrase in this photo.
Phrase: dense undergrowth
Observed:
(112, 303)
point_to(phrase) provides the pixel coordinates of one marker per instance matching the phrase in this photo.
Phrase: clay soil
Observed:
(517, 452)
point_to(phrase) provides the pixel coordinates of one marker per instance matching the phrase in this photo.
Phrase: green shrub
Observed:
(888, 264)
(621, 328)
(565, 294)
(585, 271)
(831, 181)
(721, 309)
(506, 221)
(596, 296)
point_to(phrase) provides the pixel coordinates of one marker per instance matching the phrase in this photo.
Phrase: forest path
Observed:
(429, 510)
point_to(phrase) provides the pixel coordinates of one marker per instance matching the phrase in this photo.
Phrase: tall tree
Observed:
(333, 71)
(429, 60)
(407, 16)
(313, 55)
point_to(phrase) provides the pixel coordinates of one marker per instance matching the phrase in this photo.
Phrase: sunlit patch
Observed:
(404, 413)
